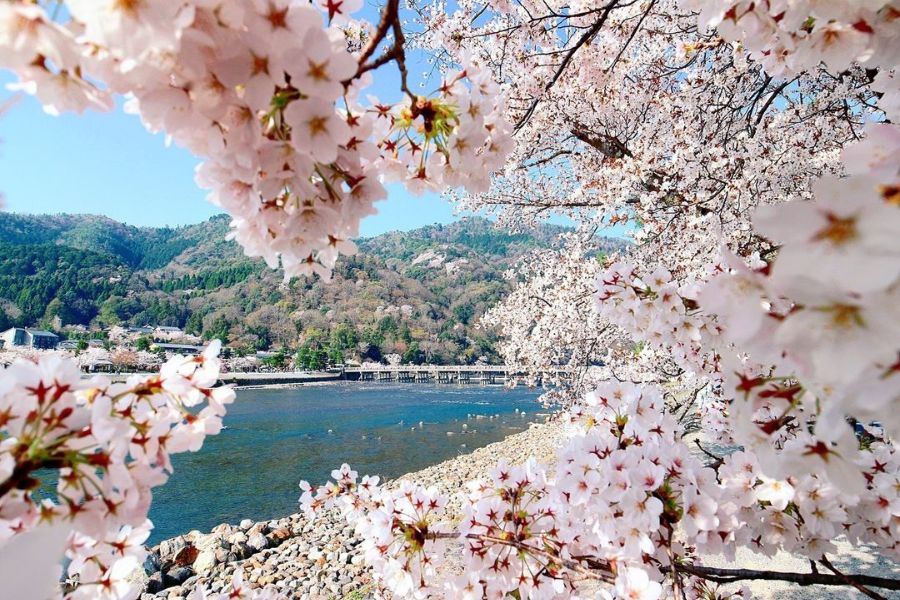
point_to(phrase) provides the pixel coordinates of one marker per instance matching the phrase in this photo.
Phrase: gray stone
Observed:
(246, 524)
(154, 583)
(175, 592)
(168, 548)
(152, 563)
(237, 538)
(205, 561)
(257, 541)
(177, 576)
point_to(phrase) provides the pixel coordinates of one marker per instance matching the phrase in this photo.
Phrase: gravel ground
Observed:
(847, 560)
(312, 559)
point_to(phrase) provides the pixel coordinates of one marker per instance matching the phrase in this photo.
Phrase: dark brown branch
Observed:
(732, 575)
(390, 21)
(607, 145)
(719, 460)
(851, 581)
(631, 37)
(584, 39)
(765, 107)
(546, 159)
(21, 477)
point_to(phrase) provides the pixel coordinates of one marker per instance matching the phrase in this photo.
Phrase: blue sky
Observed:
(107, 163)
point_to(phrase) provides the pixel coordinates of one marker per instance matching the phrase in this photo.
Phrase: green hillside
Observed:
(418, 293)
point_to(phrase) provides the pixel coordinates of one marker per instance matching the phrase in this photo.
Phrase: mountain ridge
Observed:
(417, 293)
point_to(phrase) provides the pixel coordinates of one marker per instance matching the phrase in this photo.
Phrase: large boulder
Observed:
(177, 576)
(186, 556)
(169, 548)
(206, 560)
(155, 583)
(257, 541)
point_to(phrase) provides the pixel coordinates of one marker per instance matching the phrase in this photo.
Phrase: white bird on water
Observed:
(330, 431)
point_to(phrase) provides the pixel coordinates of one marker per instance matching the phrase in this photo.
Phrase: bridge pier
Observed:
(458, 374)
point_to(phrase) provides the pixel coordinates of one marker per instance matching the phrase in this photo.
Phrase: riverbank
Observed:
(320, 558)
(258, 379)
(313, 558)
(255, 379)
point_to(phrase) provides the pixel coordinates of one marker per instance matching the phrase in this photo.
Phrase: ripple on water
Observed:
(276, 437)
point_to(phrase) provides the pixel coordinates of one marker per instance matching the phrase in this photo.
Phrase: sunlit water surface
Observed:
(276, 437)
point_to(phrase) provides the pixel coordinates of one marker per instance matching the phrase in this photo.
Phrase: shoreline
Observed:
(320, 558)
(313, 558)
(283, 380)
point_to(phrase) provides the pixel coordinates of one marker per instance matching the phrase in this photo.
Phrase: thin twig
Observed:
(390, 21)
(584, 39)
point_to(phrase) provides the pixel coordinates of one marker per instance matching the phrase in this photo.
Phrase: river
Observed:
(276, 437)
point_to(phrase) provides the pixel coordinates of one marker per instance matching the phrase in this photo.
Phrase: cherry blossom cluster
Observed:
(657, 310)
(629, 506)
(614, 126)
(546, 321)
(789, 36)
(550, 330)
(804, 339)
(268, 93)
(107, 445)
(398, 525)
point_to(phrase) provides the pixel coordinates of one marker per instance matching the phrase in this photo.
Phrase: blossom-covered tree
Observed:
(745, 145)
(734, 157)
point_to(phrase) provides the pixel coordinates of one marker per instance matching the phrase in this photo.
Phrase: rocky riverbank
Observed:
(311, 558)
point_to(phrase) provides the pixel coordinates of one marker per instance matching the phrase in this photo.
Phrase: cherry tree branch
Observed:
(595, 570)
(603, 571)
(733, 575)
(21, 479)
(389, 22)
(718, 459)
(851, 581)
(584, 39)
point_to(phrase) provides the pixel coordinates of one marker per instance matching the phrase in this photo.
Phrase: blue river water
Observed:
(276, 437)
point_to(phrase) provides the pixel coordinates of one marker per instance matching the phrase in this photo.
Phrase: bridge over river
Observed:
(453, 374)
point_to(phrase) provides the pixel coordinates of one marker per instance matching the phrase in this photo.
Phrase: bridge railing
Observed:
(432, 368)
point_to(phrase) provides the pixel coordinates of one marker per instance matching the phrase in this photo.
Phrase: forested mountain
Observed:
(417, 293)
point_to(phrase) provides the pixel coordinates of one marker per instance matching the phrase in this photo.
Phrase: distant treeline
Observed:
(209, 280)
